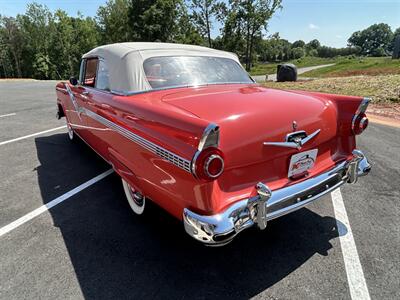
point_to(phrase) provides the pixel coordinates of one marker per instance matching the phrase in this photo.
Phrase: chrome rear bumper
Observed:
(220, 229)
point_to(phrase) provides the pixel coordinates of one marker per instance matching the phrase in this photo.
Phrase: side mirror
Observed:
(73, 81)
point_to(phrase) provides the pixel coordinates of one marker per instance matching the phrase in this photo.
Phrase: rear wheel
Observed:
(135, 199)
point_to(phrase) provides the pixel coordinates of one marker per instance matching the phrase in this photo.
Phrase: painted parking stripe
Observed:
(7, 115)
(355, 275)
(52, 203)
(31, 135)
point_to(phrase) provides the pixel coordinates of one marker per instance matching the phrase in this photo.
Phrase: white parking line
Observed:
(355, 275)
(31, 135)
(52, 203)
(7, 115)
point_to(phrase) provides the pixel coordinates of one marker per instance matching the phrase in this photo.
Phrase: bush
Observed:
(378, 52)
(313, 52)
(297, 52)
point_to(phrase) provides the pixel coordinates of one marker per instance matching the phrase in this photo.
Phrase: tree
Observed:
(233, 33)
(153, 20)
(298, 44)
(44, 45)
(36, 28)
(298, 52)
(246, 20)
(374, 40)
(314, 44)
(186, 32)
(11, 39)
(311, 47)
(71, 37)
(203, 13)
(325, 51)
(113, 21)
(313, 52)
(396, 33)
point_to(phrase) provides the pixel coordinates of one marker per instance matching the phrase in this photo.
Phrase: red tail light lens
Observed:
(209, 164)
(360, 123)
(214, 166)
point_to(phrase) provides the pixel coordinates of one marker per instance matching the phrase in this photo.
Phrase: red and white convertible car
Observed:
(187, 128)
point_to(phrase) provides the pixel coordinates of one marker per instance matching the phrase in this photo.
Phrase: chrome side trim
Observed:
(294, 145)
(220, 229)
(167, 155)
(193, 163)
(78, 109)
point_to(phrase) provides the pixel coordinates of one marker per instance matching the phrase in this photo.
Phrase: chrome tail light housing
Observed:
(208, 162)
(360, 120)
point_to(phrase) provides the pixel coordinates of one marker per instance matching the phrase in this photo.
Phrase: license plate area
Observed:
(307, 194)
(301, 162)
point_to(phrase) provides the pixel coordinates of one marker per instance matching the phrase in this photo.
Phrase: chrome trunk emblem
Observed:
(295, 140)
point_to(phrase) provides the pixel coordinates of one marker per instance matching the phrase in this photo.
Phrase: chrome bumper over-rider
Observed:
(220, 229)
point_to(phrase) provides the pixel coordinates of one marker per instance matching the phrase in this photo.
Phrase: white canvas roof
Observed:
(125, 61)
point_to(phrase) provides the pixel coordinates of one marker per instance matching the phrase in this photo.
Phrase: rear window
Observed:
(102, 80)
(174, 71)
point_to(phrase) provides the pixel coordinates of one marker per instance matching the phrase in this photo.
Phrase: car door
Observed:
(73, 106)
(81, 94)
(95, 99)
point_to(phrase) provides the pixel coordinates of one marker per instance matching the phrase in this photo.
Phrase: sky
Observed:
(330, 21)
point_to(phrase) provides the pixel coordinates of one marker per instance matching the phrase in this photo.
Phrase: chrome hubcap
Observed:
(70, 131)
(137, 197)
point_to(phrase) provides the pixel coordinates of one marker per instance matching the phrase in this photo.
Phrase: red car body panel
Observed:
(175, 119)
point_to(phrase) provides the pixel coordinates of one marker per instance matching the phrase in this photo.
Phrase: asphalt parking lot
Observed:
(92, 246)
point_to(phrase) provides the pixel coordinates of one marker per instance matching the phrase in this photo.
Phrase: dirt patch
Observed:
(391, 110)
(369, 72)
(381, 88)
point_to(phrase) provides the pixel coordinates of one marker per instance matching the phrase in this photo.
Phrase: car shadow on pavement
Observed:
(116, 254)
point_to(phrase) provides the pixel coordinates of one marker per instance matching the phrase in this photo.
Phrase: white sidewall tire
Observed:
(136, 208)
(71, 134)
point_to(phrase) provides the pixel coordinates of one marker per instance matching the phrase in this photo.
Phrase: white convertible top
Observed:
(125, 61)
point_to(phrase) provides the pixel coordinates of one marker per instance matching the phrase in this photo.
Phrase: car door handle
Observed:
(85, 93)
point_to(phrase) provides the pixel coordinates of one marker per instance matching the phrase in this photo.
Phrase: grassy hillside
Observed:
(344, 66)
(358, 66)
(270, 68)
(381, 88)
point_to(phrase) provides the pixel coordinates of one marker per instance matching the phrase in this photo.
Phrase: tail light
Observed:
(360, 120)
(208, 163)
(360, 124)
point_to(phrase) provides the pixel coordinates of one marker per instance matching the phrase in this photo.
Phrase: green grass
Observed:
(380, 88)
(344, 66)
(358, 66)
(308, 61)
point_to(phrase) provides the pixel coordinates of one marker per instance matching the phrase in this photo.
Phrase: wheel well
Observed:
(60, 112)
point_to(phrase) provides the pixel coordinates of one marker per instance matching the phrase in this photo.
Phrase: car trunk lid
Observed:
(249, 116)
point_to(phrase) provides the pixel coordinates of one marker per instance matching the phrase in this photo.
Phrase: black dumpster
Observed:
(286, 72)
